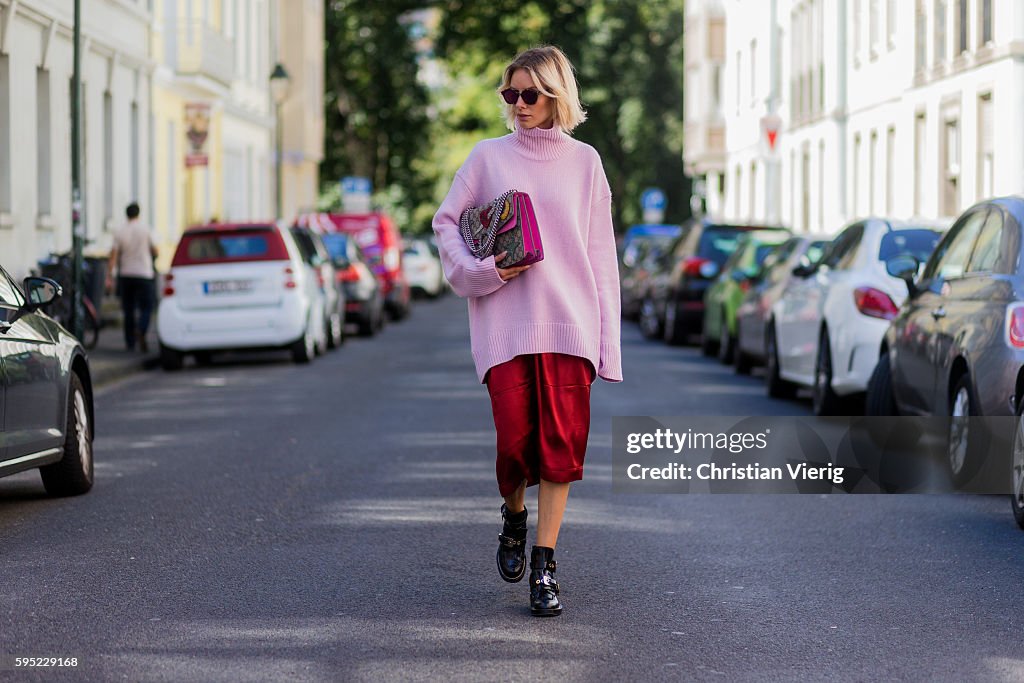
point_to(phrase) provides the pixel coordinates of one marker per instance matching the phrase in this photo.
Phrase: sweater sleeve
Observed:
(604, 263)
(468, 276)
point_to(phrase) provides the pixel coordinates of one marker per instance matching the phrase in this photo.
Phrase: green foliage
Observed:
(628, 54)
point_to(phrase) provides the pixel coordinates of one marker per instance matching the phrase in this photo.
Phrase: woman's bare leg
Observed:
(551, 501)
(517, 501)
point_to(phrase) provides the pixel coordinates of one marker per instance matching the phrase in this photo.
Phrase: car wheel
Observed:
(304, 348)
(823, 399)
(726, 344)
(777, 387)
(369, 323)
(880, 400)
(171, 359)
(203, 358)
(650, 325)
(1017, 498)
(73, 473)
(964, 450)
(742, 363)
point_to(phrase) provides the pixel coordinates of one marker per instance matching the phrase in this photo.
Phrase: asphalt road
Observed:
(261, 521)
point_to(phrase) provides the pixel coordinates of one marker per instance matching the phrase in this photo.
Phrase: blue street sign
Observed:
(653, 199)
(356, 185)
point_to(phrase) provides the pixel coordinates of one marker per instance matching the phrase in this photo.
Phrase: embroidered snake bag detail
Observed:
(506, 224)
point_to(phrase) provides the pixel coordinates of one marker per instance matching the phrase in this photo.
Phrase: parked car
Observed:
(318, 258)
(364, 296)
(45, 392)
(957, 346)
(753, 312)
(674, 303)
(722, 300)
(825, 330)
(642, 245)
(380, 240)
(422, 268)
(240, 286)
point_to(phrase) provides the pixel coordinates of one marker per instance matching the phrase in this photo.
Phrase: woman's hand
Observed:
(507, 274)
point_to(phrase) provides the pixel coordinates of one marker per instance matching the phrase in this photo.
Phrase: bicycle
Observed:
(58, 267)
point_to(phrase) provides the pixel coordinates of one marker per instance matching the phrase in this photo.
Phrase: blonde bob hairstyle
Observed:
(554, 77)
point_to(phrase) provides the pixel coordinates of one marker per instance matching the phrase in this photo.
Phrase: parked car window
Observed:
(986, 249)
(9, 295)
(307, 249)
(950, 258)
(845, 245)
(717, 244)
(916, 242)
(337, 245)
(815, 252)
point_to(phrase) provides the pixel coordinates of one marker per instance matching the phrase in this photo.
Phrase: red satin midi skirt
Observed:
(541, 406)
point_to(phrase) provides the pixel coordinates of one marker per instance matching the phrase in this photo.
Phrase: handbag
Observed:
(506, 224)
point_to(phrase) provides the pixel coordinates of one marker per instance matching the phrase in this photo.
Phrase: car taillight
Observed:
(289, 279)
(1015, 326)
(692, 264)
(875, 303)
(169, 284)
(350, 274)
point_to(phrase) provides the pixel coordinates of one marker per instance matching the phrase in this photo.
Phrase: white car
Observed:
(236, 287)
(826, 329)
(423, 268)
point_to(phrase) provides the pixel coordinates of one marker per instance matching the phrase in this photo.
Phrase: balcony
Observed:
(194, 48)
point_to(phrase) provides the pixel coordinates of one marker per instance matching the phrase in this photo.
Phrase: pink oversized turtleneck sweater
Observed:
(569, 302)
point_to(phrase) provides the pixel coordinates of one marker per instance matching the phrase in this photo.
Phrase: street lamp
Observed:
(279, 82)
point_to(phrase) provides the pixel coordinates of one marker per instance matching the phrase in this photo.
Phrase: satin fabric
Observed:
(541, 407)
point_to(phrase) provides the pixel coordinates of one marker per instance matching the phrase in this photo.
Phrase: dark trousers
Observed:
(136, 295)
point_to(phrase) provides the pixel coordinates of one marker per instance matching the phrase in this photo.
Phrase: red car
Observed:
(379, 238)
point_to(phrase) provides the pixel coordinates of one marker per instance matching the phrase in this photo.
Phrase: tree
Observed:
(376, 108)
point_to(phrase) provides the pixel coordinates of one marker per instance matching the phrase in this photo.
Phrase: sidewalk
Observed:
(110, 360)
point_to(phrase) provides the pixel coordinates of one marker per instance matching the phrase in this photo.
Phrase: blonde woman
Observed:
(540, 333)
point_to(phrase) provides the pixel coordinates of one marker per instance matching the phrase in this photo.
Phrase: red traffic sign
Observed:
(770, 125)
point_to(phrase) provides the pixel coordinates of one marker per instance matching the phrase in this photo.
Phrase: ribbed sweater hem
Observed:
(504, 344)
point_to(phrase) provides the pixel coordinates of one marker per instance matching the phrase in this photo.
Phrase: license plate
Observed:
(227, 286)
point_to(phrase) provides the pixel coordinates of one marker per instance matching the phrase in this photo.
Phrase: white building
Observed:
(36, 60)
(887, 107)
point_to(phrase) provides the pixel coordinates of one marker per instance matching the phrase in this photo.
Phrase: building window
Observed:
(985, 22)
(890, 171)
(44, 163)
(920, 138)
(857, 10)
(872, 172)
(890, 23)
(135, 151)
(821, 185)
(753, 73)
(856, 175)
(920, 36)
(108, 156)
(940, 31)
(805, 199)
(961, 27)
(951, 167)
(986, 147)
(739, 80)
(873, 22)
(716, 91)
(736, 190)
(5, 135)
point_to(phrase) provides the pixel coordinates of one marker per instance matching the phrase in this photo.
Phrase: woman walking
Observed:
(541, 333)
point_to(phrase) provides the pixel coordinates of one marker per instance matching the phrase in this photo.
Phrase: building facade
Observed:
(887, 107)
(36, 64)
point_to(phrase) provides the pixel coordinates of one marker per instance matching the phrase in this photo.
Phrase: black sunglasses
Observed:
(511, 95)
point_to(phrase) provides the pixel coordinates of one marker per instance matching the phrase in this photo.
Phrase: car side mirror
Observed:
(41, 292)
(905, 268)
(804, 271)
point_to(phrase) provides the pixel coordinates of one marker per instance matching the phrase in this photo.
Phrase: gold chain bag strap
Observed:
(479, 224)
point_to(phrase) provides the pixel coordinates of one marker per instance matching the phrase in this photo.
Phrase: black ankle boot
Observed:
(543, 587)
(512, 546)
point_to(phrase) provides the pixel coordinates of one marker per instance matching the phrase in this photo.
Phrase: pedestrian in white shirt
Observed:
(132, 257)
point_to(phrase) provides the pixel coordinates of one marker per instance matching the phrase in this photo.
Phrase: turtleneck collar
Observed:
(542, 144)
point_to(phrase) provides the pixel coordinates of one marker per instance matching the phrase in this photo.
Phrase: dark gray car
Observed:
(957, 346)
(46, 409)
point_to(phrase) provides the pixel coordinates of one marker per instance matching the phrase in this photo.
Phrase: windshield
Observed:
(916, 242)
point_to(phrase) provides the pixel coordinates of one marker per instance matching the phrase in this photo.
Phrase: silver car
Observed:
(46, 408)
